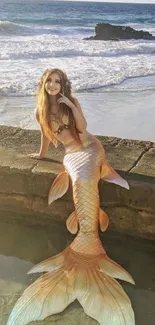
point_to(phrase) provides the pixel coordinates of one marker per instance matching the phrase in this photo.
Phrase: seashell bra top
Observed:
(62, 122)
(58, 124)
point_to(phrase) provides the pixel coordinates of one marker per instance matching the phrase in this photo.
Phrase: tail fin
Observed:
(111, 176)
(71, 276)
(50, 294)
(104, 299)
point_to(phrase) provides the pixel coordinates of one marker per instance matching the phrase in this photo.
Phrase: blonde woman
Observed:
(82, 271)
(58, 113)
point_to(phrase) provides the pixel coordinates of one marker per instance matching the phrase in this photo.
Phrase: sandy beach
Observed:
(114, 81)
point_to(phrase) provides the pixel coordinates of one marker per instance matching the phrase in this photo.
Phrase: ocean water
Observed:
(35, 35)
(114, 81)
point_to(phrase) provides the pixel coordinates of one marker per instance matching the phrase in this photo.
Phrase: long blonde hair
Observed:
(43, 113)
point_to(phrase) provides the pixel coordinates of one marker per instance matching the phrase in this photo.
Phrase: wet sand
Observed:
(124, 114)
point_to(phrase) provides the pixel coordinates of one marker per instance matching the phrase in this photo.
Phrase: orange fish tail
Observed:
(74, 274)
(82, 271)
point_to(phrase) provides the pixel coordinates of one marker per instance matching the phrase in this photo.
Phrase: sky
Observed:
(124, 1)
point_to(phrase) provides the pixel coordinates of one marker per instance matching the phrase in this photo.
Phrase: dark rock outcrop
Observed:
(110, 32)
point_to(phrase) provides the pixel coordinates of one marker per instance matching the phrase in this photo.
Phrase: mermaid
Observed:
(82, 271)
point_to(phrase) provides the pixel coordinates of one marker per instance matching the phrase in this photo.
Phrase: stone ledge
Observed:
(25, 182)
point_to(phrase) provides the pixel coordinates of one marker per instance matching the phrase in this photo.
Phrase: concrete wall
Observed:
(25, 182)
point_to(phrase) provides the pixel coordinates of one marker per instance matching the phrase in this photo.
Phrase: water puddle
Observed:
(22, 246)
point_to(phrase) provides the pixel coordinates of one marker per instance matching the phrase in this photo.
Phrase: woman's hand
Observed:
(79, 118)
(35, 156)
(66, 101)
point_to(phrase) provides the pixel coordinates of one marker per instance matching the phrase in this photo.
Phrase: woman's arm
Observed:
(80, 121)
(44, 143)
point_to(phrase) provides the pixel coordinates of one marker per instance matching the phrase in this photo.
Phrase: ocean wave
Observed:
(58, 47)
(119, 80)
(92, 65)
(8, 28)
(84, 19)
(111, 88)
(129, 19)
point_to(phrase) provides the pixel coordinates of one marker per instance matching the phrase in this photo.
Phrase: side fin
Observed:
(111, 176)
(112, 269)
(103, 220)
(72, 223)
(50, 264)
(59, 187)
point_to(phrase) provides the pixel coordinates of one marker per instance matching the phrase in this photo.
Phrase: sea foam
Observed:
(90, 64)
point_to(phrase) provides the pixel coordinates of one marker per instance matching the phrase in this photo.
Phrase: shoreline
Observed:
(123, 114)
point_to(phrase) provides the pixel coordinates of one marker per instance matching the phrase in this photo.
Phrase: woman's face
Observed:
(53, 85)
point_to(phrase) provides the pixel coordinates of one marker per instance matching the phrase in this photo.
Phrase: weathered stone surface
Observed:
(105, 31)
(36, 207)
(141, 195)
(131, 221)
(25, 182)
(131, 149)
(146, 165)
